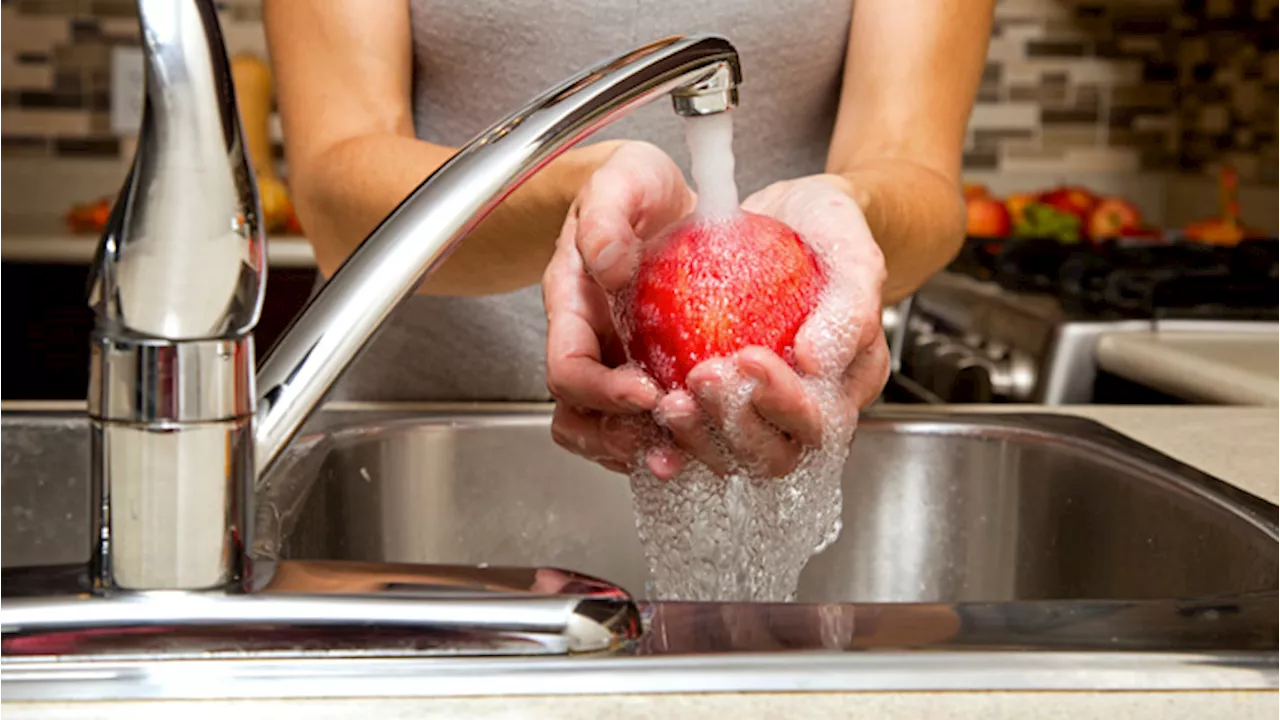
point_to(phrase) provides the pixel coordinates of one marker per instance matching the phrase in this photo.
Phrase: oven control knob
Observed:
(1013, 377)
(948, 360)
(924, 357)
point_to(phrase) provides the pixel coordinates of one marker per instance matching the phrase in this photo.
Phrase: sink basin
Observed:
(936, 509)
(1033, 545)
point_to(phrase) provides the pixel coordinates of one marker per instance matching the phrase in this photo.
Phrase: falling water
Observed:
(744, 537)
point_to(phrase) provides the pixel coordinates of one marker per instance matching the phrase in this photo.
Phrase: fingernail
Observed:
(753, 368)
(609, 257)
(663, 463)
(647, 401)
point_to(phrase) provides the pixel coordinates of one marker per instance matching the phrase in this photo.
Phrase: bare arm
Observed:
(913, 70)
(344, 75)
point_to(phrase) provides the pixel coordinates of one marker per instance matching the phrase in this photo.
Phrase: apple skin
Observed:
(1071, 199)
(710, 289)
(987, 217)
(1112, 217)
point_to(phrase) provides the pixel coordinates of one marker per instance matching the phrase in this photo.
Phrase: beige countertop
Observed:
(1236, 444)
(859, 706)
(1221, 367)
(285, 251)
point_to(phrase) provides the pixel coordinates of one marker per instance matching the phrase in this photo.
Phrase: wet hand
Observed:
(842, 341)
(602, 404)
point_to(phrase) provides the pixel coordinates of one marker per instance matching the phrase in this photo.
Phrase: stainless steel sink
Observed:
(936, 509)
(1031, 544)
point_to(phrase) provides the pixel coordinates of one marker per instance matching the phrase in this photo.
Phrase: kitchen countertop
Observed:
(1236, 444)
(284, 251)
(1221, 367)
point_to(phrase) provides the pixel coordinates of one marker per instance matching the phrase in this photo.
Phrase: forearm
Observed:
(343, 193)
(916, 216)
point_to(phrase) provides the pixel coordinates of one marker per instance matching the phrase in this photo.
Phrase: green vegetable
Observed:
(1041, 221)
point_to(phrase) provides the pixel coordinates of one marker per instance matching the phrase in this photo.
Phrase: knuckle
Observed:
(555, 381)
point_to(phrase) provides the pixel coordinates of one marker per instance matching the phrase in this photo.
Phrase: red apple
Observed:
(710, 289)
(1071, 199)
(987, 217)
(1112, 217)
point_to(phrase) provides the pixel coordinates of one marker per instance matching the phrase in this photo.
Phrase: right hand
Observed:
(603, 405)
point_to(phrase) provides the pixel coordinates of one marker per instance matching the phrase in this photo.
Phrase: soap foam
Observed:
(746, 536)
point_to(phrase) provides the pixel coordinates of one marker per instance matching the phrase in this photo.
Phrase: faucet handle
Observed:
(183, 253)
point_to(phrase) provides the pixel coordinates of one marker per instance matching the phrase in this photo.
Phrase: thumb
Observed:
(633, 195)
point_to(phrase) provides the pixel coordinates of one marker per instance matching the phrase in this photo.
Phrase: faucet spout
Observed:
(701, 73)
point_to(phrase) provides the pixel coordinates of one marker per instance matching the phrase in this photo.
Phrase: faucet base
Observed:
(327, 608)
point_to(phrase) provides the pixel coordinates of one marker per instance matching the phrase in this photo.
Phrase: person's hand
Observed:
(605, 409)
(841, 341)
(603, 406)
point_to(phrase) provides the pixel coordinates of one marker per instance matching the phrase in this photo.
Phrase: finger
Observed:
(754, 444)
(576, 376)
(867, 375)
(780, 398)
(596, 437)
(578, 321)
(665, 462)
(638, 191)
(680, 414)
(833, 224)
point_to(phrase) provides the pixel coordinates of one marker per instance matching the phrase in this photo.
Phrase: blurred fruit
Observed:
(1070, 199)
(1042, 221)
(276, 206)
(89, 217)
(1112, 217)
(1214, 231)
(292, 226)
(254, 89)
(1017, 204)
(1226, 229)
(986, 217)
(975, 190)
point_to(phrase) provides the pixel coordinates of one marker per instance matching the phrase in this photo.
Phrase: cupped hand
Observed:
(842, 341)
(605, 407)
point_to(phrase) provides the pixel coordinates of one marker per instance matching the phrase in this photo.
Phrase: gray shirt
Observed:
(477, 60)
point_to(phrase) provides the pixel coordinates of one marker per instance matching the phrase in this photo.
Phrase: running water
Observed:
(745, 537)
(710, 141)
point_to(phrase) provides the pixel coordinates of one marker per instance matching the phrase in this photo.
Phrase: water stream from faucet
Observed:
(745, 537)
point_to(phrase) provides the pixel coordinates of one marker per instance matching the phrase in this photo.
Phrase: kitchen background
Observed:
(1146, 99)
(1139, 97)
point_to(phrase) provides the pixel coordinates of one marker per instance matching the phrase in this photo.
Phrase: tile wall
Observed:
(1117, 89)
(1129, 86)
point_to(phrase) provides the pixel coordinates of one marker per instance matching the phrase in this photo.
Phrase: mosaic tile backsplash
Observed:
(1070, 87)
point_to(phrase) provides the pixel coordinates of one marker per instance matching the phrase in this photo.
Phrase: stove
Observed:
(1018, 321)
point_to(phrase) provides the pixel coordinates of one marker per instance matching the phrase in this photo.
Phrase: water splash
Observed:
(745, 537)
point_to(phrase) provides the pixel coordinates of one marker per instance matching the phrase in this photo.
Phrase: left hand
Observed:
(783, 416)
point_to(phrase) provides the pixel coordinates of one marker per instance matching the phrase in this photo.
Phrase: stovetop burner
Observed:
(1113, 280)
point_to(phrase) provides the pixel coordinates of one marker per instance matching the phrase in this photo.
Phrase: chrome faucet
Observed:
(183, 426)
(177, 289)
